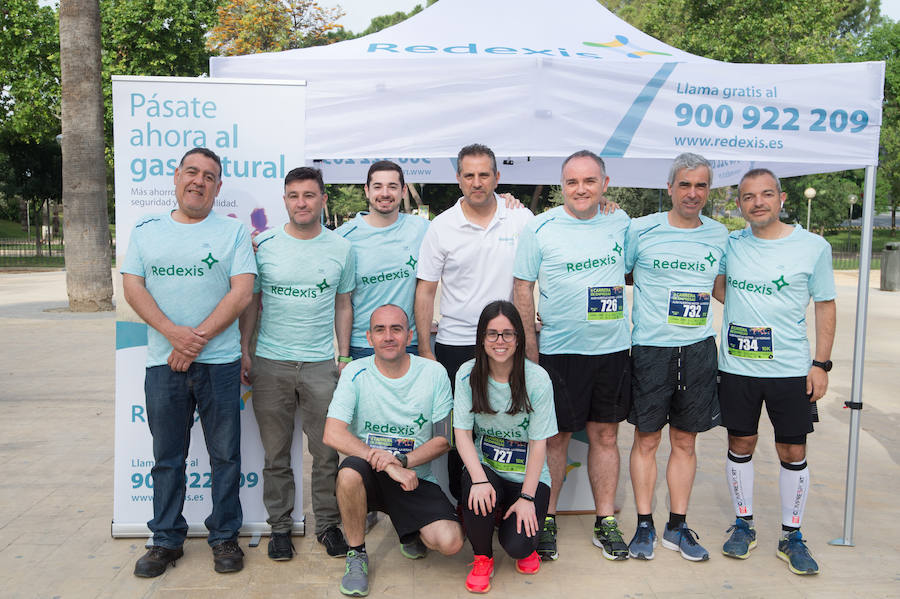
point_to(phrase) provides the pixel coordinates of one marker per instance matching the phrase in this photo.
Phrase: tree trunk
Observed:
(536, 198)
(87, 254)
(415, 195)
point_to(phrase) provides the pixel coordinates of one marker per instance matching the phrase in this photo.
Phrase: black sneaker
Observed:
(156, 560)
(280, 547)
(228, 557)
(334, 541)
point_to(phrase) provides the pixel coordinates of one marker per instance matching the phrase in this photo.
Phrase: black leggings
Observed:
(451, 357)
(480, 529)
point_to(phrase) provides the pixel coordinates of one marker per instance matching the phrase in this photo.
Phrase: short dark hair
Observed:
(584, 154)
(759, 172)
(305, 173)
(385, 165)
(204, 152)
(476, 150)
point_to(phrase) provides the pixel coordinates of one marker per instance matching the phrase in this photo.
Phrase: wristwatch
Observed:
(401, 457)
(826, 365)
(526, 497)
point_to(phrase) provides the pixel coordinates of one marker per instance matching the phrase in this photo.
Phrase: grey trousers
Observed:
(279, 387)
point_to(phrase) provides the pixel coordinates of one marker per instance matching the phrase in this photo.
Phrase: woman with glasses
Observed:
(507, 402)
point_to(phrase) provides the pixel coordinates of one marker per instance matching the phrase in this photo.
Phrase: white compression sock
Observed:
(739, 474)
(794, 485)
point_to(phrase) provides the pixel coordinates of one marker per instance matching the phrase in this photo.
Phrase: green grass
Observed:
(9, 228)
(842, 242)
(55, 261)
(853, 264)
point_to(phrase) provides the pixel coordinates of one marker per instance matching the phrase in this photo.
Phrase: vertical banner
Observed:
(258, 129)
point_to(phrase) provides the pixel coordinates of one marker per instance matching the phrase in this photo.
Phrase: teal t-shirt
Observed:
(299, 279)
(187, 268)
(393, 414)
(501, 439)
(386, 259)
(769, 283)
(674, 272)
(580, 268)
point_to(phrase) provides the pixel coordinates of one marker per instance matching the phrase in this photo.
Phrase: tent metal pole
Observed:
(859, 353)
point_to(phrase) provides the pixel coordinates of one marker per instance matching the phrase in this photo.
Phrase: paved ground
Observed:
(56, 481)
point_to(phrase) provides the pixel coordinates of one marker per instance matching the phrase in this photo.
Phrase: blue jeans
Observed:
(214, 391)
(361, 352)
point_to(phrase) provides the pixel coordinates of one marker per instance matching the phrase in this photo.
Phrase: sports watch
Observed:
(826, 365)
(401, 457)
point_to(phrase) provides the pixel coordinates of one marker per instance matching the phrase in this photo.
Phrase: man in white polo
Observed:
(469, 249)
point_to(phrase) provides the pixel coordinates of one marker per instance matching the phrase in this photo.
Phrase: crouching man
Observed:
(391, 416)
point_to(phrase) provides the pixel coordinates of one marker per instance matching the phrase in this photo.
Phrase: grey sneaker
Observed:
(741, 541)
(683, 539)
(608, 537)
(355, 581)
(643, 542)
(371, 521)
(793, 550)
(415, 549)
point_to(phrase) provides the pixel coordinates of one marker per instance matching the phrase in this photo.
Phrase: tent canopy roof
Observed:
(539, 80)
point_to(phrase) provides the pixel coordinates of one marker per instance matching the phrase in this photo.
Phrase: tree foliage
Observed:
(30, 159)
(883, 43)
(760, 31)
(252, 26)
(29, 71)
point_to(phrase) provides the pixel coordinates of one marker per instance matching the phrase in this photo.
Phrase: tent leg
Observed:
(859, 353)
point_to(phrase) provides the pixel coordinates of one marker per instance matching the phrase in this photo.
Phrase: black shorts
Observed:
(409, 510)
(790, 411)
(589, 388)
(674, 385)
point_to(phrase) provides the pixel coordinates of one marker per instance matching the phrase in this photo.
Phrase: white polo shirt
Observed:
(474, 265)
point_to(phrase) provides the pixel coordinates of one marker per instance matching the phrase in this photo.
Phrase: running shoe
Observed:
(608, 537)
(479, 579)
(684, 539)
(793, 550)
(355, 581)
(280, 547)
(530, 564)
(415, 549)
(371, 521)
(333, 540)
(547, 540)
(643, 542)
(741, 541)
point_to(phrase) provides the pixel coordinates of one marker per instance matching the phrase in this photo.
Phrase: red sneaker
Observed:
(530, 564)
(479, 579)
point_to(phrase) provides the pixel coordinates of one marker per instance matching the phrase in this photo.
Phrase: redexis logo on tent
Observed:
(619, 45)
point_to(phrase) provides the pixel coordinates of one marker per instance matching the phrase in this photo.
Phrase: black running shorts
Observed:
(589, 388)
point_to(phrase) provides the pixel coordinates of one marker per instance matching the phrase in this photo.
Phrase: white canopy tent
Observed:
(533, 81)
(537, 81)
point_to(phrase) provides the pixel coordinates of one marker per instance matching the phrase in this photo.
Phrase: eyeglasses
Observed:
(508, 336)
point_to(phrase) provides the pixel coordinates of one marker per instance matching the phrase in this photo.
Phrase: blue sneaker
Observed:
(793, 550)
(643, 542)
(741, 541)
(683, 539)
